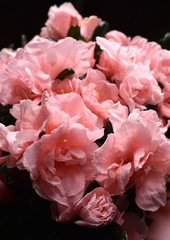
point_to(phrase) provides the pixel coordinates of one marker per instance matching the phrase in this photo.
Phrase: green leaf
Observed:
(101, 30)
(165, 41)
(74, 32)
(97, 48)
(167, 134)
(148, 221)
(23, 40)
(108, 129)
(150, 106)
(66, 72)
(160, 85)
(115, 232)
(11, 46)
(82, 77)
(168, 186)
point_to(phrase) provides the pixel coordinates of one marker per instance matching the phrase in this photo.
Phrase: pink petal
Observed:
(151, 192)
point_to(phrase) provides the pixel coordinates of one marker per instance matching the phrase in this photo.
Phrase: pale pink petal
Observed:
(118, 36)
(88, 25)
(110, 58)
(151, 192)
(118, 114)
(96, 209)
(65, 13)
(60, 163)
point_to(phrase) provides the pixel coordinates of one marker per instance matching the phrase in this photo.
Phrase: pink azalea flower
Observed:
(54, 57)
(33, 120)
(91, 47)
(6, 55)
(139, 41)
(139, 88)
(119, 51)
(121, 38)
(98, 94)
(67, 14)
(31, 116)
(113, 59)
(66, 85)
(4, 130)
(60, 19)
(96, 209)
(14, 142)
(60, 163)
(61, 120)
(148, 53)
(118, 37)
(30, 121)
(118, 114)
(72, 106)
(137, 154)
(22, 79)
(88, 26)
(151, 115)
(163, 73)
(36, 67)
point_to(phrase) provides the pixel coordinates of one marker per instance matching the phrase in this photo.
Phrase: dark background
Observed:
(150, 19)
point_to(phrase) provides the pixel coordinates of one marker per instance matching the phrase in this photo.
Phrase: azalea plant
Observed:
(84, 133)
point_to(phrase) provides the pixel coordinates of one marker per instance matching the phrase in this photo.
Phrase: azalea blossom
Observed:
(135, 155)
(36, 66)
(85, 118)
(97, 209)
(67, 14)
(139, 88)
(60, 163)
(98, 94)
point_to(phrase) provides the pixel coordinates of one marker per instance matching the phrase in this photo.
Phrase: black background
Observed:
(150, 19)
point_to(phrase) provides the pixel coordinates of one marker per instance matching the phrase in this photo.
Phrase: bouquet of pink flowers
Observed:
(84, 133)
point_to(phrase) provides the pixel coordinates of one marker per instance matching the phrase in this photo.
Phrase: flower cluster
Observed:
(91, 120)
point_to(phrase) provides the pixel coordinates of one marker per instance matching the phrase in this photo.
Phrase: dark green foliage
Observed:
(165, 41)
(168, 186)
(148, 221)
(74, 32)
(108, 129)
(23, 40)
(167, 134)
(66, 72)
(153, 107)
(101, 30)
